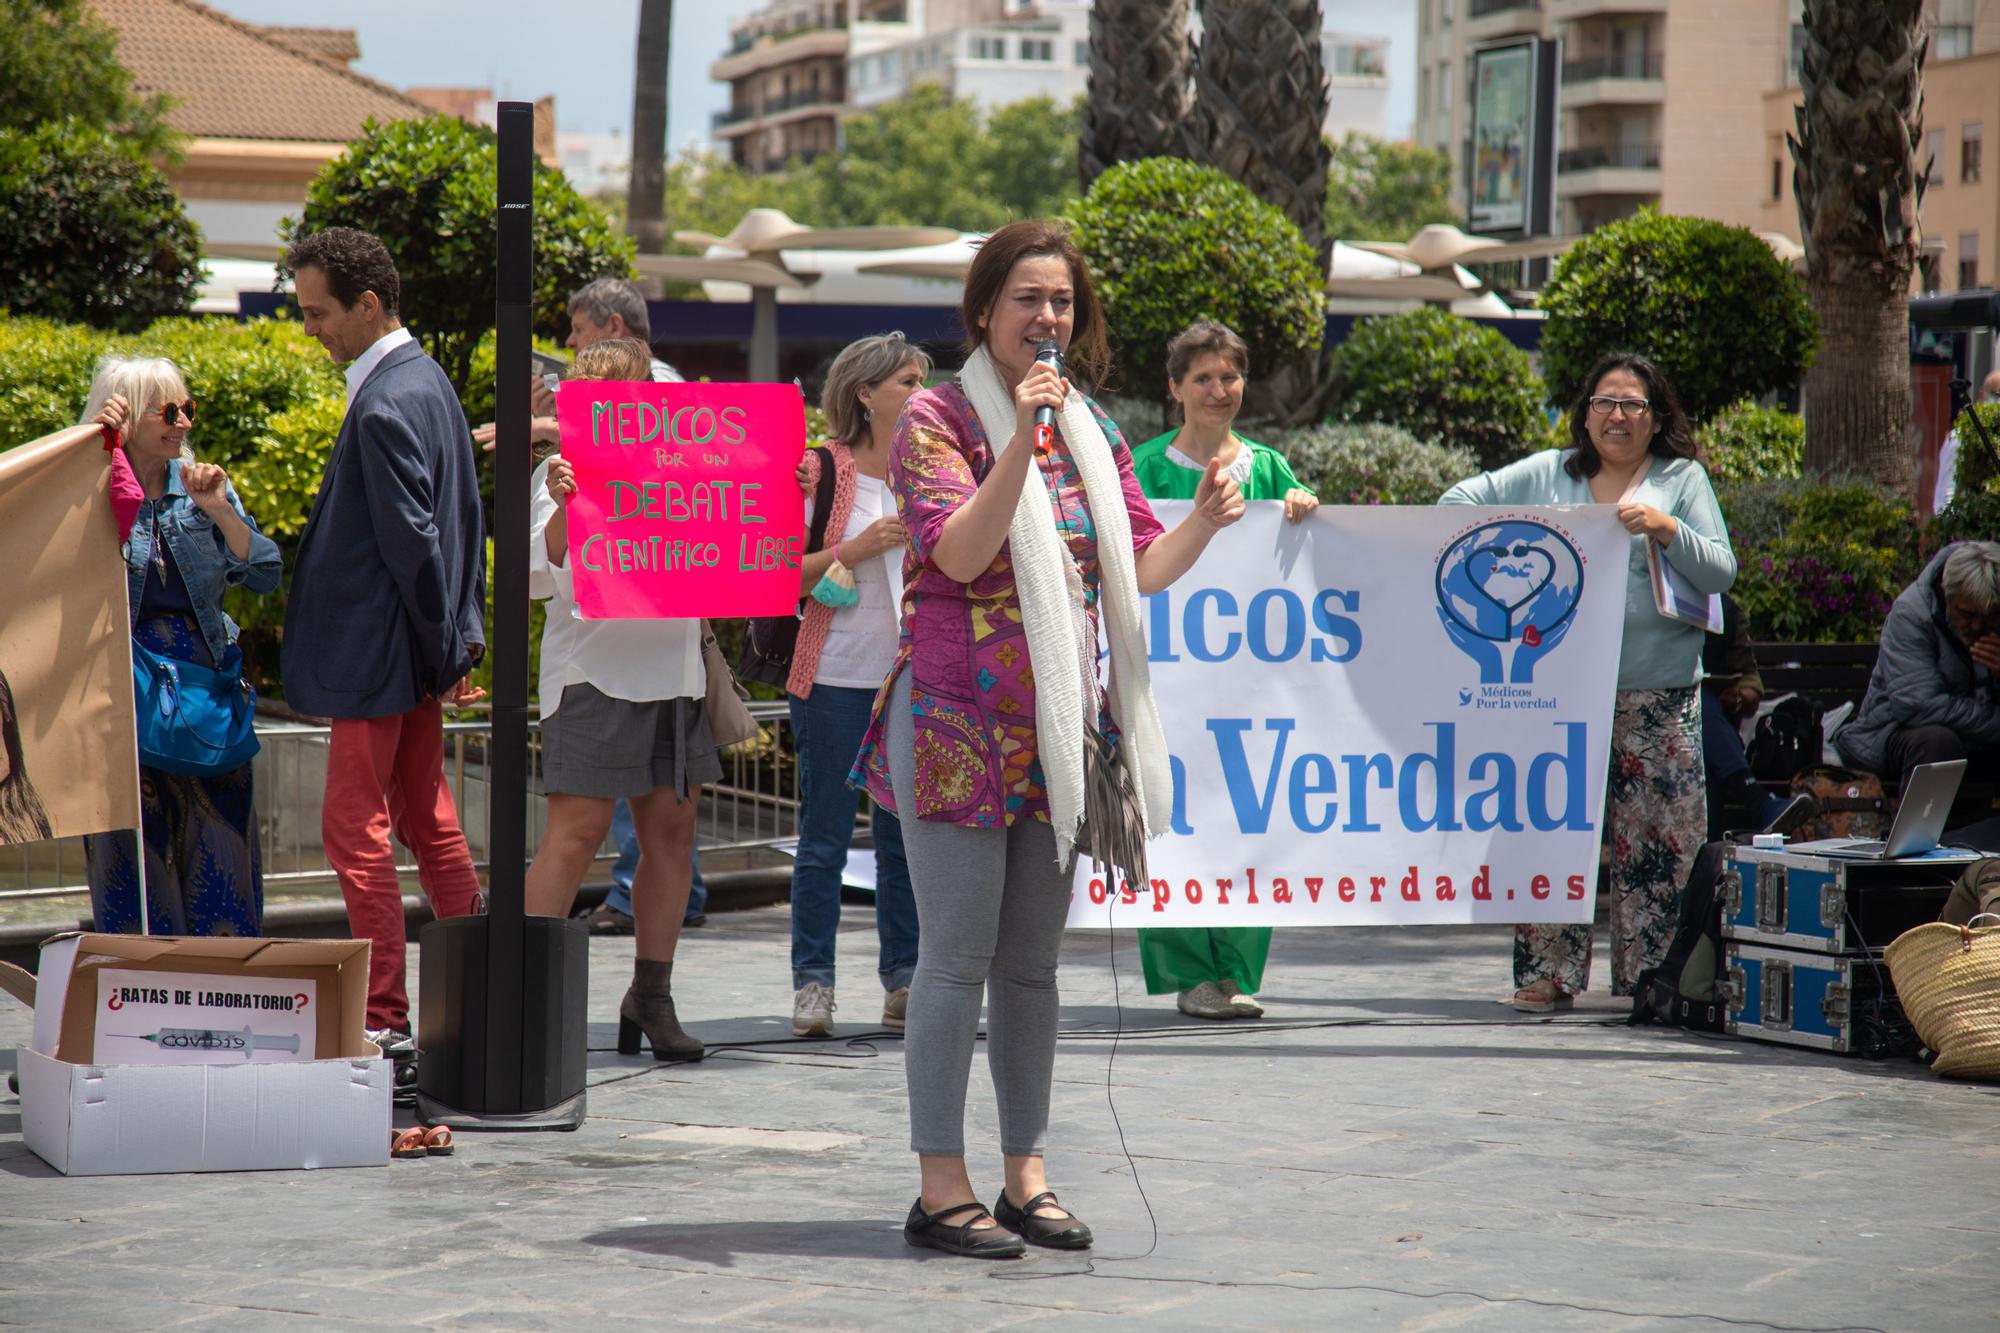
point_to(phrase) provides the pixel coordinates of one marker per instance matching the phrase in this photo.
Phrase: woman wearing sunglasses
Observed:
(1630, 446)
(189, 541)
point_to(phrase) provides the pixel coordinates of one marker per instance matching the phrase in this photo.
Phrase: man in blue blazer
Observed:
(386, 610)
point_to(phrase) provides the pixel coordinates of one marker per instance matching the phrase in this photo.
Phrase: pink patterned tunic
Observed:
(972, 694)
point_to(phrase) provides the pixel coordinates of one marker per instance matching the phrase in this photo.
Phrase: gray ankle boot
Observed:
(648, 1007)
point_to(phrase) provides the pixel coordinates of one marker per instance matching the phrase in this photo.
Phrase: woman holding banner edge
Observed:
(622, 716)
(1216, 971)
(991, 739)
(1631, 446)
(189, 541)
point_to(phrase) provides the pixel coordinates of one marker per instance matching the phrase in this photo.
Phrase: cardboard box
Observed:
(93, 1119)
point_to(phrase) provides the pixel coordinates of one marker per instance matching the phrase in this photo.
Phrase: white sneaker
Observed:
(812, 1010)
(1206, 1001)
(896, 1008)
(1245, 1005)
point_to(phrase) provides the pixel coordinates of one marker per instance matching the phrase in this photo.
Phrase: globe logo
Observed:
(1507, 594)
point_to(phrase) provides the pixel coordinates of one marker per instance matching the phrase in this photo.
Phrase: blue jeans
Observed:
(627, 838)
(828, 725)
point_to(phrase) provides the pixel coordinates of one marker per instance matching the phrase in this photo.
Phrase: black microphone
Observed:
(1050, 352)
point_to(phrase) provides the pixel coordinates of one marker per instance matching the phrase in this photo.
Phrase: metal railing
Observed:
(754, 806)
(1631, 157)
(1632, 66)
(1479, 9)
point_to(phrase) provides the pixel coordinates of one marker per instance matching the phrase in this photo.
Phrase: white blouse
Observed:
(636, 660)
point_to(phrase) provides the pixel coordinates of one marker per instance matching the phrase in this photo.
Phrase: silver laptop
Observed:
(1927, 799)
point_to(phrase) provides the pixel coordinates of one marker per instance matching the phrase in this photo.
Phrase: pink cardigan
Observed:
(818, 616)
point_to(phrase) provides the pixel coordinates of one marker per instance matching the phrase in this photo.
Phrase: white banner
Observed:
(1382, 716)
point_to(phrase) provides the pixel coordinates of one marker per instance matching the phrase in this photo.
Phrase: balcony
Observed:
(1626, 80)
(1625, 169)
(773, 50)
(1487, 19)
(1569, 11)
(776, 110)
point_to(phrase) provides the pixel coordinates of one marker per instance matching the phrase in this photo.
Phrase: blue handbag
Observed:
(193, 719)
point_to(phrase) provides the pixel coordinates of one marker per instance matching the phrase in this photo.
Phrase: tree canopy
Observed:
(922, 161)
(426, 188)
(1382, 191)
(62, 64)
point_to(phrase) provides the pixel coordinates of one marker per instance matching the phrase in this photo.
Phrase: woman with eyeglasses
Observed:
(1631, 446)
(189, 542)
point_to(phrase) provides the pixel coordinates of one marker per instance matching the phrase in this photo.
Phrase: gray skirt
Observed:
(595, 745)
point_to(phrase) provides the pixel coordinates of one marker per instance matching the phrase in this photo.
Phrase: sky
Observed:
(581, 51)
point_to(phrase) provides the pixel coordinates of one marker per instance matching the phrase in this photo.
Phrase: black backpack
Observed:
(1681, 992)
(1788, 740)
(768, 641)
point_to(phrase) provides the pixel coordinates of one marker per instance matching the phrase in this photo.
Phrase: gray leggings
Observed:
(991, 904)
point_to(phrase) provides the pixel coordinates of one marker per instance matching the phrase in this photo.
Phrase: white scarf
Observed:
(1051, 613)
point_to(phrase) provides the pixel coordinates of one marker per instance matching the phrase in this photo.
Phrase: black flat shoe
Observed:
(1054, 1233)
(930, 1231)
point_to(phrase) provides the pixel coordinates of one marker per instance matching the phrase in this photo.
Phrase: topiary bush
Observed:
(1748, 443)
(426, 188)
(1724, 317)
(93, 233)
(1820, 561)
(1169, 242)
(1371, 463)
(1442, 377)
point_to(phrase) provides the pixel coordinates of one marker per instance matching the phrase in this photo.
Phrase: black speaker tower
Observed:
(501, 1020)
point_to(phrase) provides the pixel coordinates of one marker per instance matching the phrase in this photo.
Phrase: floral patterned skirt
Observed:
(1656, 807)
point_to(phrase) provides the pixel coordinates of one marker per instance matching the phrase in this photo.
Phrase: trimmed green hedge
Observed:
(1169, 242)
(1442, 377)
(1371, 464)
(1751, 443)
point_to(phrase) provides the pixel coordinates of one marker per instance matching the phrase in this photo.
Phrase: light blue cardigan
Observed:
(1657, 653)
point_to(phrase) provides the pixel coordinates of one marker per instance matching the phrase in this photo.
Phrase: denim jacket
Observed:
(206, 563)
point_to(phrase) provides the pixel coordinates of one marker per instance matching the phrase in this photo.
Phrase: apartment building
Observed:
(795, 67)
(1655, 97)
(1961, 207)
(787, 72)
(1659, 99)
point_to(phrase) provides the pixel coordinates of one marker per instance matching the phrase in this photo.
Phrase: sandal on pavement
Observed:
(930, 1231)
(407, 1143)
(1542, 997)
(1055, 1233)
(438, 1141)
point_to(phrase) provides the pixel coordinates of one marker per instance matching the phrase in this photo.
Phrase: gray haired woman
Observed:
(847, 641)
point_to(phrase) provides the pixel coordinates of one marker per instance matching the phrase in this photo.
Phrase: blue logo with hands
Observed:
(1509, 587)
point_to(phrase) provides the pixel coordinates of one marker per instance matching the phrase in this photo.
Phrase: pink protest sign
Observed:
(686, 500)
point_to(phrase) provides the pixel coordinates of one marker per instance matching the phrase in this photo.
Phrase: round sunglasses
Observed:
(172, 413)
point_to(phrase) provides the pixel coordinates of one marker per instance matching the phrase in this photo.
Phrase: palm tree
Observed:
(1858, 185)
(645, 199)
(1260, 98)
(1137, 105)
(1260, 105)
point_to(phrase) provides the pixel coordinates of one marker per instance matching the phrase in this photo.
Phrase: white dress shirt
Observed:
(364, 365)
(636, 660)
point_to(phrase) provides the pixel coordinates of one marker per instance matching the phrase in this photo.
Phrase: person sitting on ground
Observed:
(1933, 695)
(842, 657)
(622, 718)
(1214, 971)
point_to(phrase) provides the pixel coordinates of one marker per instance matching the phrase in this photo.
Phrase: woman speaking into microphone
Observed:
(992, 740)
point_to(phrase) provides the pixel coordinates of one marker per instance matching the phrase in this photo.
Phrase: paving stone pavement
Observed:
(1389, 1149)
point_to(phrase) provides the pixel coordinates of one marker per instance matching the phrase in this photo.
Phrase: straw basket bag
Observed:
(1948, 980)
